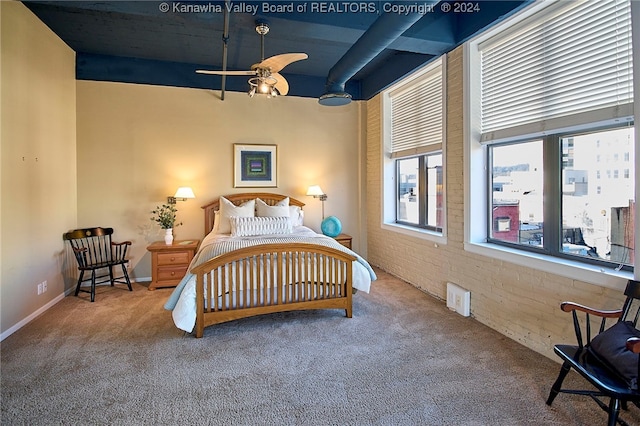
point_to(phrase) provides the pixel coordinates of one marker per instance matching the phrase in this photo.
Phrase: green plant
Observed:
(165, 216)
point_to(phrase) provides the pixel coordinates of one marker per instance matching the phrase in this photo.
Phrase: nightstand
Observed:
(169, 263)
(344, 239)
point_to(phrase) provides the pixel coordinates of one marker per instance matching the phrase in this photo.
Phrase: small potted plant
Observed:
(165, 216)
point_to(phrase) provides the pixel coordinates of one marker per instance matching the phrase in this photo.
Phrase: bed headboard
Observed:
(238, 199)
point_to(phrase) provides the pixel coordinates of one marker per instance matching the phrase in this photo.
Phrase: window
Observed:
(555, 94)
(596, 225)
(593, 222)
(420, 191)
(517, 171)
(414, 154)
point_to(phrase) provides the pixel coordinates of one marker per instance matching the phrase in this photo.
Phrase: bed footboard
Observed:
(270, 278)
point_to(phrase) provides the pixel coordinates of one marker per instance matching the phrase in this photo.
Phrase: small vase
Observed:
(168, 236)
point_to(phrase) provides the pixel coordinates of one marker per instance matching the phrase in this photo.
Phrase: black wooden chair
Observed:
(607, 381)
(95, 252)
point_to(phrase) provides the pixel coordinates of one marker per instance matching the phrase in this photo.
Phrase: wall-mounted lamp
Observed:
(316, 192)
(182, 194)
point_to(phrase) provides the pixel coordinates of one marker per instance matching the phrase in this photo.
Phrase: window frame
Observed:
(475, 162)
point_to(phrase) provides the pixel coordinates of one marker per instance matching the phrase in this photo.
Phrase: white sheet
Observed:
(182, 301)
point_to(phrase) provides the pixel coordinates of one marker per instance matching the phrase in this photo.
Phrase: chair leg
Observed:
(93, 285)
(126, 276)
(555, 389)
(111, 280)
(614, 410)
(79, 282)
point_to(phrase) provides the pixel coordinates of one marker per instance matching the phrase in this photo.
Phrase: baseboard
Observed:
(31, 317)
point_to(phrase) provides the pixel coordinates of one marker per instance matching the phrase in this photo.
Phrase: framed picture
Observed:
(255, 166)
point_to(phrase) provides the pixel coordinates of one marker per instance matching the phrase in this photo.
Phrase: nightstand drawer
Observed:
(171, 273)
(180, 258)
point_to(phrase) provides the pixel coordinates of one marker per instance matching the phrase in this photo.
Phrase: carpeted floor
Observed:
(403, 359)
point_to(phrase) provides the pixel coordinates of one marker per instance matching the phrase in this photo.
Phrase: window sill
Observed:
(593, 274)
(423, 234)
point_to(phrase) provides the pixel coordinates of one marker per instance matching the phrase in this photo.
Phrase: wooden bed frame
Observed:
(310, 277)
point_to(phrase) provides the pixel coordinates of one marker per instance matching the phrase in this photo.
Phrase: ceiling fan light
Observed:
(252, 91)
(264, 87)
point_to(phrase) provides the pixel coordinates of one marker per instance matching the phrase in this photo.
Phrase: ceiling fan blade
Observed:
(282, 86)
(252, 72)
(276, 63)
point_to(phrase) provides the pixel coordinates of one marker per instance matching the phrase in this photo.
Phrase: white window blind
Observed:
(416, 114)
(570, 62)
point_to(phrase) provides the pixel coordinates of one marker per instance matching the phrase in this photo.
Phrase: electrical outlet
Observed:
(44, 286)
(39, 288)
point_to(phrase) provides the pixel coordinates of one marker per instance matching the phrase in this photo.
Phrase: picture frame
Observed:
(255, 166)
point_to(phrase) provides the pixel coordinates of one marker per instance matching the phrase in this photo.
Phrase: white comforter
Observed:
(182, 301)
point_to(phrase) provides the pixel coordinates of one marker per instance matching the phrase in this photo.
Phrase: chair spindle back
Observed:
(92, 246)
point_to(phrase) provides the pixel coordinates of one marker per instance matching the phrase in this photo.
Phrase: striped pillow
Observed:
(250, 226)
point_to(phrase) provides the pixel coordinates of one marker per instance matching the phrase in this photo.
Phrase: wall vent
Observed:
(458, 299)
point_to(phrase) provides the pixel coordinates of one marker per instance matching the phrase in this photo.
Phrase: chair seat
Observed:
(103, 264)
(598, 374)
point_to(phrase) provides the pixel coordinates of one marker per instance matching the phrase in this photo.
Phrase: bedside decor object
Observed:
(255, 166)
(168, 236)
(316, 192)
(331, 226)
(182, 194)
(165, 216)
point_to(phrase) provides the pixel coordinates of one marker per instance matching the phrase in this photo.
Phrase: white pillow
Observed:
(280, 209)
(297, 215)
(216, 221)
(251, 226)
(228, 210)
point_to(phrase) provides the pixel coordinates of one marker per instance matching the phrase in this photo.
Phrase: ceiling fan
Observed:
(266, 78)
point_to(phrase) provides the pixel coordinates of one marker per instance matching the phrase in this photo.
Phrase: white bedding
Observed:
(182, 301)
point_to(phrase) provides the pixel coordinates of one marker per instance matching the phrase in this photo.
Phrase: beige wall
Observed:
(520, 302)
(38, 156)
(138, 143)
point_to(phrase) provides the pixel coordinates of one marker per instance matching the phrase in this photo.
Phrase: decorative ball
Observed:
(331, 226)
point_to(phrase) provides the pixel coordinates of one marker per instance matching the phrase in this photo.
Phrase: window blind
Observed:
(569, 60)
(417, 115)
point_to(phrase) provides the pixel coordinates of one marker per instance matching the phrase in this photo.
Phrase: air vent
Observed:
(458, 299)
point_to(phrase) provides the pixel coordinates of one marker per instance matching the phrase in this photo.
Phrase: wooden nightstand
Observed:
(169, 263)
(344, 239)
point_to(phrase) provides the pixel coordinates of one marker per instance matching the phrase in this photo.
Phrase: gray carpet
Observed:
(403, 359)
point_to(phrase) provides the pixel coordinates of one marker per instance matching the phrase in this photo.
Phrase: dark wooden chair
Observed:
(95, 252)
(606, 381)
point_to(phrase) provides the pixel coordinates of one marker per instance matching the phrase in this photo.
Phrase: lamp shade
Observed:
(315, 190)
(185, 192)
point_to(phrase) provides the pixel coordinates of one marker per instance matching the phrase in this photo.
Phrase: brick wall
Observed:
(521, 303)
